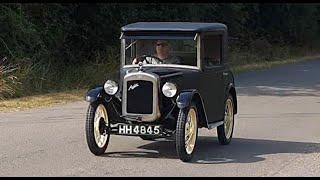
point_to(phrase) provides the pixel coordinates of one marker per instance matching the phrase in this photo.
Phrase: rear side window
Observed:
(212, 50)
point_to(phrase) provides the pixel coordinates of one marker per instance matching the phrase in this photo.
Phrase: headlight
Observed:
(169, 89)
(111, 87)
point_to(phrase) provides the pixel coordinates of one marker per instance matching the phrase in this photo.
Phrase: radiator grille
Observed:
(139, 97)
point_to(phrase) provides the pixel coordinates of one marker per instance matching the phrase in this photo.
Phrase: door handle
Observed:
(225, 73)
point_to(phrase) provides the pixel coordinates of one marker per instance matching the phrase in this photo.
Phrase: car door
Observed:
(212, 78)
(213, 92)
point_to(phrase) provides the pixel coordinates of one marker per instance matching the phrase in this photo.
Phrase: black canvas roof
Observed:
(173, 26)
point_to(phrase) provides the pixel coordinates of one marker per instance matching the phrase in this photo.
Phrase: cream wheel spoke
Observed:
(190, 133)
(100, 115)
(228, 119)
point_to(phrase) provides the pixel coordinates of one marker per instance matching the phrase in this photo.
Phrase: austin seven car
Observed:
(173, 80)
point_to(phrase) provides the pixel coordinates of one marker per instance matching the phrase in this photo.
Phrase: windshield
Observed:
(160, 51)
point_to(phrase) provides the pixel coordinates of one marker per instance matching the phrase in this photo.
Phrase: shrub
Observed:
(8, 81)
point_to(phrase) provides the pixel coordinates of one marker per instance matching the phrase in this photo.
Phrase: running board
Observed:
(215, 124)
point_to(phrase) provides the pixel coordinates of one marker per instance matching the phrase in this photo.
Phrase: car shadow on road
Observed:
(242, 150)
(158, 148)
(209, 151)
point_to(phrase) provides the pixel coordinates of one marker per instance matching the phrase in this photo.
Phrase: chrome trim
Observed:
(121, 35)
(162, 65)
(199, 51)
(122, 53)
(175, 85)
(154, 78)
(196, 36)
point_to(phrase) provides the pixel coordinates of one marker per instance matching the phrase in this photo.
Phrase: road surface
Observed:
(277, 133)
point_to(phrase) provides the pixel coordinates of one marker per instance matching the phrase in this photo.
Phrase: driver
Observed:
(162, 55)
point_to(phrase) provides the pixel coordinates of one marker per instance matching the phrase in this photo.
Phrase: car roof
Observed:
(174, 26)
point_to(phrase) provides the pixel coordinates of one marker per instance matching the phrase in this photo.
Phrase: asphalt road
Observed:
(277, 133)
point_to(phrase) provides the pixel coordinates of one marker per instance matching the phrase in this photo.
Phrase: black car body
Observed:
(158, 100)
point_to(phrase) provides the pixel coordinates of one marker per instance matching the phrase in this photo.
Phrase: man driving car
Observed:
(162, 55)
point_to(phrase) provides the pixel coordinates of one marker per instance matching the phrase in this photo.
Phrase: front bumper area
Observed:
(139, 129)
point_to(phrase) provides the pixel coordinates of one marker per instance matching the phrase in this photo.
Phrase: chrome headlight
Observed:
(169, 89)
(111, 87)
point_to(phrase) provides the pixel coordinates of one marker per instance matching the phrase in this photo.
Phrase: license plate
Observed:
(139, 129)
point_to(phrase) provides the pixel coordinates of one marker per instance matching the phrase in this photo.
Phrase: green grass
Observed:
(40, 79)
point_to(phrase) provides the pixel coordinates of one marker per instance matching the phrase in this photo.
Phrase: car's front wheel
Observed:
(97, 124)
(225, 130)
(186, 133)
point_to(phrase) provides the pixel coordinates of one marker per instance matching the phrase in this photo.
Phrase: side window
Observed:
(212, 50)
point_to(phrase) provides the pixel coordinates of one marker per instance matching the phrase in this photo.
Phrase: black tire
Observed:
(222, 137)
(180, 134)
(93, 146)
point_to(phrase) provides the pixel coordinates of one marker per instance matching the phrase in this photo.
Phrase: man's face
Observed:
(162, 47)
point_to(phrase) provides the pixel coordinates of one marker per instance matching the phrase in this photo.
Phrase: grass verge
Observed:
(44, 100)
(50, 99)
(267, 65)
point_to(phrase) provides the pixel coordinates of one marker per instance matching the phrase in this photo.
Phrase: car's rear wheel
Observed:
(225, 130)
(186, 133)
(97, 124)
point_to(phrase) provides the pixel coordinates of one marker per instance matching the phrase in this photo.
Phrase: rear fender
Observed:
(232, 90)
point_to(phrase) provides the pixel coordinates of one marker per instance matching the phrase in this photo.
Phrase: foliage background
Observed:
(54, 47)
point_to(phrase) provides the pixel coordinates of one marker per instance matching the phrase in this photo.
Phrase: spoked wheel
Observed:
(186, 133)
(225, 130)
(97, 124)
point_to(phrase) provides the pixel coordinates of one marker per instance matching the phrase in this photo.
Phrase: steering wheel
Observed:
(144, 58)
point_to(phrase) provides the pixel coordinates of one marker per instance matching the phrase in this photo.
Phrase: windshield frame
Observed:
(176, 37)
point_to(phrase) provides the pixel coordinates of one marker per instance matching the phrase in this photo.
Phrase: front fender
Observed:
(184, 99)
(95, 94)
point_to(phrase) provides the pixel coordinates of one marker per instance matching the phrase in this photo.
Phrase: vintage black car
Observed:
(166, 93)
